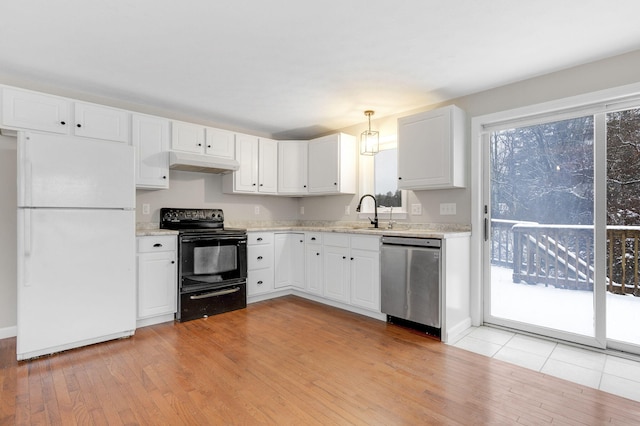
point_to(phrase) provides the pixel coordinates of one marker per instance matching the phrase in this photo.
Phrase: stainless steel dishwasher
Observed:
(410, 280)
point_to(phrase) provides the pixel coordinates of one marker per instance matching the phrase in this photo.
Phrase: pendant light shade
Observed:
(369, 139)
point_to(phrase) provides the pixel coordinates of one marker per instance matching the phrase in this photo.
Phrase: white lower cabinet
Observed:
(289, 260)
(157, 279)
(338, 269)
(313, 262)
(352, 269)
(260, 276)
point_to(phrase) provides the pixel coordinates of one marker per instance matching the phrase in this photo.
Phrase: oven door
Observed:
(204, 303)
(211, 261)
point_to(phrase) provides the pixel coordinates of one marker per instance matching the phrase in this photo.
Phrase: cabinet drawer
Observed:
(334, 239)
(156, 243)
(255, 238)
(313, 237)
(259, 257)
(260, 281)
(365, 243)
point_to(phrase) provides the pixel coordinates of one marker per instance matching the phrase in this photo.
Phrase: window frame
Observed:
(367, 185)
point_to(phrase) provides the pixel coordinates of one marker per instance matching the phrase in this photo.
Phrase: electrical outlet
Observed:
(448, 209)
(256, 210)
(347, 210)
(416, 209)
(146, 209)
(301, 209)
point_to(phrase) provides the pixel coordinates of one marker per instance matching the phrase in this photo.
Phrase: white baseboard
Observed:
(7, 332)
(456, 332)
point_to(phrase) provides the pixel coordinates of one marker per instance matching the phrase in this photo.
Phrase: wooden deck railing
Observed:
(562, 255)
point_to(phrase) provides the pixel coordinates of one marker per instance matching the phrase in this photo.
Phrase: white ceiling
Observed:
(296, 68)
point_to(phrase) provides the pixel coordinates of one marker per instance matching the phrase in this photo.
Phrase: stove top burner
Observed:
(195, 221)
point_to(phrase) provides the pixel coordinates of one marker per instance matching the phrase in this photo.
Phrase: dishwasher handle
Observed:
(412, 242)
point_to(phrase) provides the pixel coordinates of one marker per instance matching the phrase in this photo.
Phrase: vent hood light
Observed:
(189, 162)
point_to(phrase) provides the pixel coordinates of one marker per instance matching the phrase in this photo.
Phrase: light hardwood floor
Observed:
(289, 361)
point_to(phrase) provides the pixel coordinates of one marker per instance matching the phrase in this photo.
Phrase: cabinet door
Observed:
(323, 164)
(313, 269)
(187, 137)
(297, 261)
(260, 281)
(220, 143)
(365, 279)
(157, 286)
(292, 167)
(431, 149)
(289, 260)
(246, 178)
(29, 110)
(150, 138)
(336, 273)
(99, 122)
(268, 166)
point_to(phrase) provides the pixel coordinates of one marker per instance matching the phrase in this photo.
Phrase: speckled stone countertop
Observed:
(416, 230)
(144, 229)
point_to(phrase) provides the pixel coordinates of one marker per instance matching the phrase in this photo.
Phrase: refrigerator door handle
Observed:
(26, 245)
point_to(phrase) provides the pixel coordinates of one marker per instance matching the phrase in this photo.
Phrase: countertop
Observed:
(442, 231)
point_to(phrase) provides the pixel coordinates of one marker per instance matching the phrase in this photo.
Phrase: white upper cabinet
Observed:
(23, 109)
(30, 110)
(100, 122)
(431, 149)
(292, 167)
(332, 165)
(187, 137)
(258, 158)
(150, 138)
(220, 143)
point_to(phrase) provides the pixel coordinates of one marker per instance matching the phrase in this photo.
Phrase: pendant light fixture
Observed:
(369, 139)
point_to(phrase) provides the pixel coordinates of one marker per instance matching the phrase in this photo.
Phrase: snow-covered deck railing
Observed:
(562, 255)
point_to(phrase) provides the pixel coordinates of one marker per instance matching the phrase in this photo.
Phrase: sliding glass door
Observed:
(541, 246)
(562, 236)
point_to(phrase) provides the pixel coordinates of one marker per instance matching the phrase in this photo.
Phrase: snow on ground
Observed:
(562, 309)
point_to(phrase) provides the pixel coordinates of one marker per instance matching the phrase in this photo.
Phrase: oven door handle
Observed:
(215, 293)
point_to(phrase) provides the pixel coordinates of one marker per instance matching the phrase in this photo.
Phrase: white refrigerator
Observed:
(76, 243)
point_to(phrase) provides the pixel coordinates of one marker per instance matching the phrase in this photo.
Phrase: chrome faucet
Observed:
(374, 222)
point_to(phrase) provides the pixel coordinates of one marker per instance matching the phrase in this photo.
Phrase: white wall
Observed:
(617, 71)
(204, 190)
(8, 207)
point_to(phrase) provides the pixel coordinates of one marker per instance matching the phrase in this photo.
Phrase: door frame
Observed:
(590, 103)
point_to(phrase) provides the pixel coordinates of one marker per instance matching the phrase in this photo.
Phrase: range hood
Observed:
(201, 163)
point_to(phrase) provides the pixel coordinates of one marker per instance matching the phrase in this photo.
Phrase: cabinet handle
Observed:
(208, 146)
(157, 245)
(261, 184)
(335, 183)
(304, 186)
(259, 283)
(399, 177)
(352, 258)
(344, 257)
(317, 254)
(259, 257)
(164, 177)
(173, 261)
(199, 144)
(78, 125)
(259, 239)
(63, 123)
(302, 241)
(313, 238)
(253, 184)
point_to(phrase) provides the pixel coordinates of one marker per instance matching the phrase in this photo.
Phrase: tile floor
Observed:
(608, 373)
